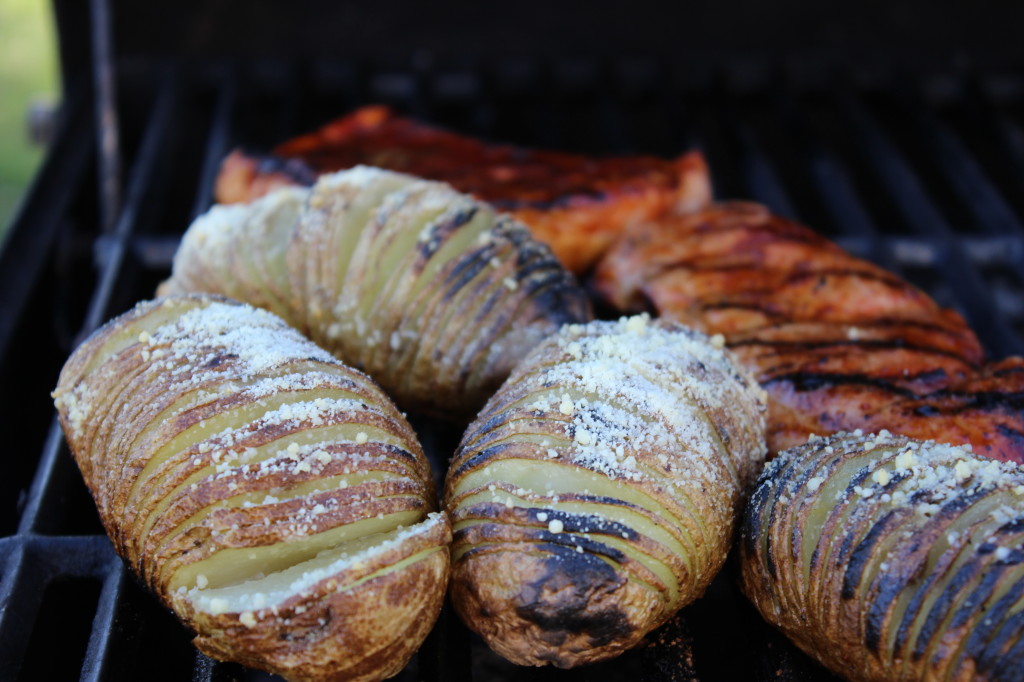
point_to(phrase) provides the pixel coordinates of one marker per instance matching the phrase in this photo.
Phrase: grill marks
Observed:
(595, 493)
(985, 409)
(575, 204)
(240, 469)
(839, 343)
(429, 291)
(897, 562)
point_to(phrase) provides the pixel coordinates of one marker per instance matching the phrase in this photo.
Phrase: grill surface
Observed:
(922, 176)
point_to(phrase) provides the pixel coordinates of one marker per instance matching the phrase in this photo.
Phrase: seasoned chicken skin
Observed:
(576, 204)
(839, 343)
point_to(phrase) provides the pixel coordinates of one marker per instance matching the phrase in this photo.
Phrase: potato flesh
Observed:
(282, 494)
(398, 239)
(970, 517)
(233, 418)
(656, 529)
(556, 479)
(256, 455)
(266, 253)
(268, 591)
(233, 566)
(456, 244)
(350, 218)
(253, 268)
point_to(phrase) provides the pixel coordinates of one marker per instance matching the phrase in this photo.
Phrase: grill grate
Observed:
(922, 177)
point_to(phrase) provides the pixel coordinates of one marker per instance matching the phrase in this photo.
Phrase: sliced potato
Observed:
(597, 491)
(431, 292)
(274, 498)
(891, 559)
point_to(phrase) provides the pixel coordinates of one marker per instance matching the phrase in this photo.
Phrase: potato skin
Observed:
(201, 426)
(547, 604)
(368, 633)
(887, 558)
(434, 294)
(597, 492)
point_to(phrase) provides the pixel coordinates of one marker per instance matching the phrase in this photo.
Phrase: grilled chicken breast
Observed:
(576, 204)
(839, 343)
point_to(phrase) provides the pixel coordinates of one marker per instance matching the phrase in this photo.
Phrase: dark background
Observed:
(916, 35)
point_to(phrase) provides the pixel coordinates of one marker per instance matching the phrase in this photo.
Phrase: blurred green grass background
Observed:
(28, 74)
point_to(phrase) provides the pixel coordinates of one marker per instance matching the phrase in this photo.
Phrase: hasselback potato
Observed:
(431, 292)
(274, 498)
(597, 491)
(891, 559)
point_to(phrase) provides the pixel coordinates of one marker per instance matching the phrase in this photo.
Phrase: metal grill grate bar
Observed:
(24, 254)
(97, 659)
(831, 179)
(21, 593)
(904, 187)
(34, 563)
(962, 170)
(216, 143)
(1009, 134)
(110, 253)
(761, 177)
(43, 482)
(906, 190)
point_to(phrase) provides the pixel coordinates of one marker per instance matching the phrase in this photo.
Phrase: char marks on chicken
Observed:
(839, 343)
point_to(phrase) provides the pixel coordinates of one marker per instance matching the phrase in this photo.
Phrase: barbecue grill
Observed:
(893, 130)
